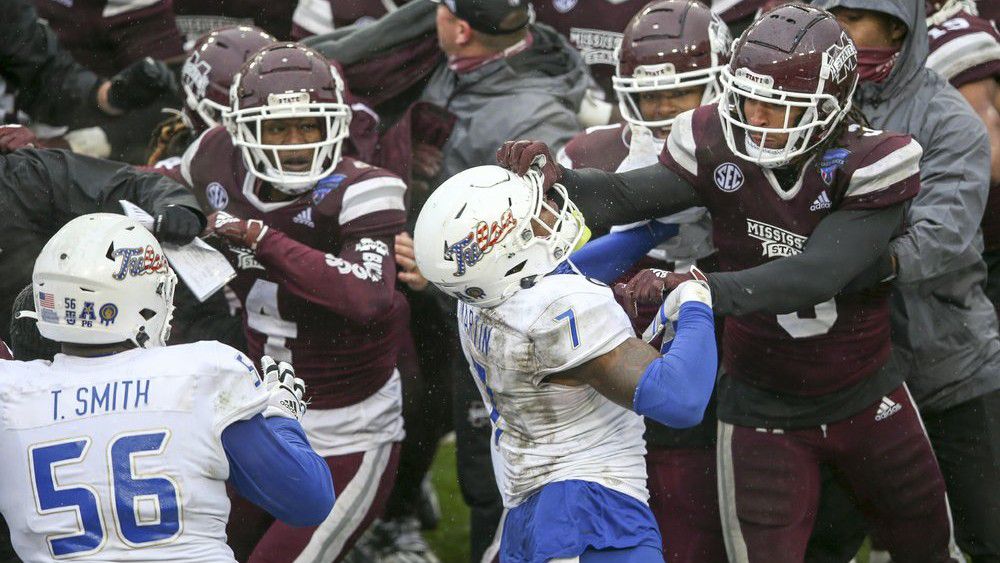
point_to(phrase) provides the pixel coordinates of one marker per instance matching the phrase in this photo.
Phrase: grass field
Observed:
(451, 540)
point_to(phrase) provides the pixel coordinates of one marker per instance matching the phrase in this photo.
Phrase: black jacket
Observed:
(49, 84)
(42, 190)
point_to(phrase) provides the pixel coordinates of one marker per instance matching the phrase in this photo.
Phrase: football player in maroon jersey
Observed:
(206, 77)
(668, 63)
(309, 232)
(804, 199)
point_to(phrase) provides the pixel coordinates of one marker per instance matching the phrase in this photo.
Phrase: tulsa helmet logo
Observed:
(480, 241)
(728, 177)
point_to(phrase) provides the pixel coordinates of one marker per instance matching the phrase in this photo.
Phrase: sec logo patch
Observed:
(728, 177)
(563, 6)
(217, 196)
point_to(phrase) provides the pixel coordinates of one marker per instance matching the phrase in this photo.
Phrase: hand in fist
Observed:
(651, 286)
(284, 390)
(520, 156)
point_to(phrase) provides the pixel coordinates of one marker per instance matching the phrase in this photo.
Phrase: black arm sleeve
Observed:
(607, 199)
(77, 185)
(844, 245)
(50, 85)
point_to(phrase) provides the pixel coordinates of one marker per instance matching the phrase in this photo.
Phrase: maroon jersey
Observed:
(198, 17)
(966, 49)
(169, 167)
(603, 147)
(594, 27)
(316, 17)
(108, 35)
(836, 343)
(320, 289)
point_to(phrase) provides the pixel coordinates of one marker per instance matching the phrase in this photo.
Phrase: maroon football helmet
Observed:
(794, 56)
(285, 81)
(208, 72)
(669, 45)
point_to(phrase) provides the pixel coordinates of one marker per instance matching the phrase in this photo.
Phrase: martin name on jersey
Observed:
(546, 432)
(121, 456)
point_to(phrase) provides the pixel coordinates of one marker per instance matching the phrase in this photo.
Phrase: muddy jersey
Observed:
(319, 291)
(834, 344)
(595, 28)
(107, 35)
(545, 432)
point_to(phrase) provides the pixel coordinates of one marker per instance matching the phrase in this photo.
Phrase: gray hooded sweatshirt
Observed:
(534, 94)
(944, 327)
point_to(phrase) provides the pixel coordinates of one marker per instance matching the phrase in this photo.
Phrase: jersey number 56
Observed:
(131, 492)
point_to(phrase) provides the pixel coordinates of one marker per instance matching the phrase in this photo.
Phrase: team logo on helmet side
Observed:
(479, 242)
(195, 73)
(137, 262)
(840, 59)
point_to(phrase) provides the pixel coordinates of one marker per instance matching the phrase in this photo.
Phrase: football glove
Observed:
(177, 224)
(666, 318)
(139, 84)
(520, 156)
(284, 390)
(651, 286)
(240, 232)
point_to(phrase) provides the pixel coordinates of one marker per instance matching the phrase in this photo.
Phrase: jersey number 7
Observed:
(129, 490)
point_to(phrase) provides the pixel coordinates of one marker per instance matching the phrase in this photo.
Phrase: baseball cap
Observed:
(493, 17)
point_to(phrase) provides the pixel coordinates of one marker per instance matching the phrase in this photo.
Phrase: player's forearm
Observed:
(842, 247)
(675, 389)
(619, 199)
(358, 285)
(608, 257)
(272, 465)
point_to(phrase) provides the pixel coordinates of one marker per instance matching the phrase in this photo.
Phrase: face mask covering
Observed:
(875, 63)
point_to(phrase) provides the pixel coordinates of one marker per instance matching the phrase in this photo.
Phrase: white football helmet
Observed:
(103, 279)
(474, 237)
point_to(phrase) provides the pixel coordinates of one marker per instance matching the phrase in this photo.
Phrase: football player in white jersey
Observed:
(120, 448)
(556, 361)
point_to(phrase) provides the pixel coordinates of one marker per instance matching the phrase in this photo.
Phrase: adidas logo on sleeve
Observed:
(887, 408)
(822, 202)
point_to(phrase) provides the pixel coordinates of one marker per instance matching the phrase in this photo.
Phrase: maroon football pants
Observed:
(769, 484)
(684, 498)
(362, 482)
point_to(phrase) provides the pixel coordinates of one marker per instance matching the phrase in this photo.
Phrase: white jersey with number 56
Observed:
(546, 432)
(119, 458)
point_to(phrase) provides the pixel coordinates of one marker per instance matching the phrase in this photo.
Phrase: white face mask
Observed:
(763, 156)
(290, 184)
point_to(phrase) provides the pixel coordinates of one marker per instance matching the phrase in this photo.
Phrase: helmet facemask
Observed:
(263, 160)
(821, 112)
